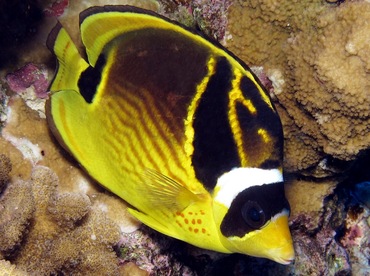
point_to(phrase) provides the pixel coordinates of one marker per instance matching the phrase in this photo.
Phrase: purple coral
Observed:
(27, 76)
(356, 238)
(57, 8)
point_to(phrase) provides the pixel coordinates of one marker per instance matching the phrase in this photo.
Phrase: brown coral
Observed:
(333, 81)
(16, 210)
(7, 268)
(5, 168)
(68, 208)
(322, 54)
(69, 239)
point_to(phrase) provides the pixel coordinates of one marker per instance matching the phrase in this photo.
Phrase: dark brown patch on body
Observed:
(164, 63)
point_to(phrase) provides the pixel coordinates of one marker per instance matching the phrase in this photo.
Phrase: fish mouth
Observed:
(285, 261)
(284, 254)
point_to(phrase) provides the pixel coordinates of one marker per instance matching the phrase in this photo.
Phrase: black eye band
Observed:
(252, 208)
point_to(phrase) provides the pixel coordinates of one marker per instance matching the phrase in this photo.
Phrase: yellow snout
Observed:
(273, 241)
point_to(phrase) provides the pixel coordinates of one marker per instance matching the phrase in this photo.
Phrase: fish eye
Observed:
(253, 214)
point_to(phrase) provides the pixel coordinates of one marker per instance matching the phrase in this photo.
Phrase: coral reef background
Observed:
(313, 57)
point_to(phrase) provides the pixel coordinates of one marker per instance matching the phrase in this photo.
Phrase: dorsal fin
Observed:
(99, 25)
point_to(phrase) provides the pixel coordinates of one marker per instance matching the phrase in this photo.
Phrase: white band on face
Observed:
(230, 184)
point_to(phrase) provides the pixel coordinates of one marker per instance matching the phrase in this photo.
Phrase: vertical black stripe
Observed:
(265, 114)
(266, 118)
(215, 150)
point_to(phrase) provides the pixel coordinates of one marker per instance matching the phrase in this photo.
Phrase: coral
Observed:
(211, 16)
(3, 103)
(64, 234)
(6, 268)
(151, 253)
(321, 53)
(330, 223)
(29, 75)
(67, 209)
(56, 8)
(317, 250)
(16, 210)
(319, 254)
(31, 83)
(311, 200)
(116, 211)
(5, 169)
(182, 13)
(131, 269)
(357, 238)
(208, 15)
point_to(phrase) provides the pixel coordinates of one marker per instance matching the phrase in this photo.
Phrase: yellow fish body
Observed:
(176, 126)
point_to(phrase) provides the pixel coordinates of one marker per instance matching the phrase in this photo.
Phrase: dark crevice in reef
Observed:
(19, 23)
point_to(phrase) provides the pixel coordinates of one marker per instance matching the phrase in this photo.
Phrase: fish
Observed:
(177, 126)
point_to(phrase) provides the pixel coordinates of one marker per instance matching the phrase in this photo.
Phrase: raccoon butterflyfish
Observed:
(175, 125)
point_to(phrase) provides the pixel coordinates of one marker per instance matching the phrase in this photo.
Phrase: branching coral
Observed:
(64, 234)
(321, 52)
(16, 210)
(68, 209)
